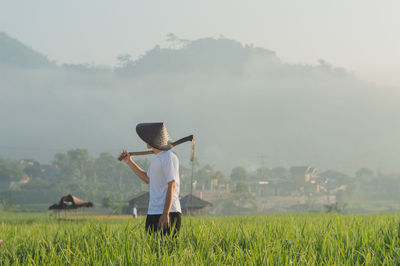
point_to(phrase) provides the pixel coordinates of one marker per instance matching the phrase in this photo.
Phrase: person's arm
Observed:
(135, 168)
(164, 219)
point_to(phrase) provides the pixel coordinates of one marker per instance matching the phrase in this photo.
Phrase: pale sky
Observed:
(359, 35)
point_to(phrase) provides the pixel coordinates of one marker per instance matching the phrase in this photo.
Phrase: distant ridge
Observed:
(240, 101)
(200, 55)
(15, 54)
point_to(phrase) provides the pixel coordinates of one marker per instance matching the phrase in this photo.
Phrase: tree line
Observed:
(105, 180)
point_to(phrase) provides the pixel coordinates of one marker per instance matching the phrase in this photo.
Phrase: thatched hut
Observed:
(70, 202)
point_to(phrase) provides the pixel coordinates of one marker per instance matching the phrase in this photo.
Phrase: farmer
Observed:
(164, 212)
(134, 211)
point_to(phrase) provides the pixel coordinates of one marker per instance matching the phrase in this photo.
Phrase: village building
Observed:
(189, 204)
(193, 205)
(310, 175)
(142, 203)
(303, 173)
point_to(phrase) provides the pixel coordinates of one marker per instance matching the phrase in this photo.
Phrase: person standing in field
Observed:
(134, 211)
(164, 212)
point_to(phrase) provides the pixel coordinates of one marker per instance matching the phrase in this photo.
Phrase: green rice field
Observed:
(299, 239)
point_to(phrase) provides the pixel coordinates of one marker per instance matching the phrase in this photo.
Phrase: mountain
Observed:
(203, 55)
(15, 54)
(241, 102)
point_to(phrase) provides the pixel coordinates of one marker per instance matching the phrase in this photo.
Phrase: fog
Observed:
(241, 102)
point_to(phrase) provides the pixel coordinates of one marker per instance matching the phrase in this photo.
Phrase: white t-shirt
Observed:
(164, 168)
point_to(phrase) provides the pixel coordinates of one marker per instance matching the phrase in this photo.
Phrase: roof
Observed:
(196, 202)
(142, 197)
(70, 202)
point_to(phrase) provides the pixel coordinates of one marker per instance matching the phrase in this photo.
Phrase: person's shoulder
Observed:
(169, 155)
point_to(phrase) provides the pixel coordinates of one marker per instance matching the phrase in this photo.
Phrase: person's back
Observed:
(164, 210)
(163, 173)
(164, 168)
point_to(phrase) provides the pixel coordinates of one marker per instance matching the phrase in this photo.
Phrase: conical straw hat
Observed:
(155, 134)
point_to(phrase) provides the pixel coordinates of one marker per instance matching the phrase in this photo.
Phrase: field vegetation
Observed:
(272, 239)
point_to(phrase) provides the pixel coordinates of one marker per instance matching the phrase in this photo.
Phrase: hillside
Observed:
(240, 101)
(15, 54)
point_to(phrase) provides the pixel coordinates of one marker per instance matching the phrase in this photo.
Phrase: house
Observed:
(298, 173)
(304, 173)
(189, 205)
(311, 174)
(142, 203)
(193, 205)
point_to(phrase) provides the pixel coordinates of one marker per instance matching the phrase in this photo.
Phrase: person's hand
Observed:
(125, 156)
(163, 223)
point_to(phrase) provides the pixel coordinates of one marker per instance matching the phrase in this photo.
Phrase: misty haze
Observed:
(279, 123)
(241, 101)
(199, 132)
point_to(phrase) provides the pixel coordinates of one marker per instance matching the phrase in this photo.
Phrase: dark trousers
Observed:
(174, 223)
